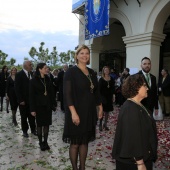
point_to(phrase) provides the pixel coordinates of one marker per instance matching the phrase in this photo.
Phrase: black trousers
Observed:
(61, 99)
(124, 166)
(25, 114)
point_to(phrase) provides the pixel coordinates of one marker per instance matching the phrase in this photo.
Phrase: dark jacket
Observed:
(135, 136)
(3, 80)
(37, 97)
(22, 87)
(151, 101)
(165, 86)
(60, 80)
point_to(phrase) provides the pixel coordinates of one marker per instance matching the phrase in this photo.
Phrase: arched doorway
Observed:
(114, 51)
(165, 48)
(159, 22)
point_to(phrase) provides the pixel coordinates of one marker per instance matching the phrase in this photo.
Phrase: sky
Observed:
(27, 23)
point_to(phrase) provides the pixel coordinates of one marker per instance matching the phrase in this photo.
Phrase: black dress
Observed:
(3, 80)
(77, 93)
(107, 89)
(40, 103)
(136, 135)
(11, 93)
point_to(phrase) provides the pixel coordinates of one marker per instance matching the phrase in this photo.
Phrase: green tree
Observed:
(67, 57)
(3, 57)
(12, 61)
(43, 55)
(26, 58)
(53, 57)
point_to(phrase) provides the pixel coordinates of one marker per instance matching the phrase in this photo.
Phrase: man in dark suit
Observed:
(164, 92)
(60, 84)
(151, 102)
(22, 91)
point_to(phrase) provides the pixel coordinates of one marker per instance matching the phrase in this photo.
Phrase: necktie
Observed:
(147, 79)
(29, 76)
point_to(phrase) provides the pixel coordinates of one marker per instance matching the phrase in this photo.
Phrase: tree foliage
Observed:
(3, 61)
(51, 58)
(67, 57)
(43, 55)
(3, 57)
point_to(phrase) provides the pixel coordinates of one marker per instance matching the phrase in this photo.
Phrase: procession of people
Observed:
(85, 100)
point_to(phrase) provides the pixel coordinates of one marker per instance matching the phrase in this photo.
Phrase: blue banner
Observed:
(96, 18)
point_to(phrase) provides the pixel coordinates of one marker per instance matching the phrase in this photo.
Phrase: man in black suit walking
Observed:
(60, 84)
(22, 91)
(151, 102)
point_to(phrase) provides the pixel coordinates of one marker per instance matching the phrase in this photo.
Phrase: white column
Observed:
(143, 45)
(94, 60)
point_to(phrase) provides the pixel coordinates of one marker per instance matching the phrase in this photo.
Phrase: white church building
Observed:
(138, 28)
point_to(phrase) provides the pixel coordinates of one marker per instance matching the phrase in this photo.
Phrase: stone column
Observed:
(94, 60)
(143, 45)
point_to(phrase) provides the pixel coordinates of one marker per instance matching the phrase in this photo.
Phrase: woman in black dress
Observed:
(107, 91)
(11, 95)
(81, 96)
(42, 102)
(135, 143)
(3, 79)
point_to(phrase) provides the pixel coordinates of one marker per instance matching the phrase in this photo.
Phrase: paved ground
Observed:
(18, 153)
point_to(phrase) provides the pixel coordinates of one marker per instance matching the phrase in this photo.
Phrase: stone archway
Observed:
(158, 17)
(120, 16)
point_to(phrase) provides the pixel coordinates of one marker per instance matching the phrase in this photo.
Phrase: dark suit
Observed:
(60, 84)
(151, 101)
(165, 85)
(164, 94)
(22, 93)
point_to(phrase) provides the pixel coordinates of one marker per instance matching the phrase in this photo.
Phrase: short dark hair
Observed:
(127, 69)
(165, 70)
(146, 58)
(132, 85)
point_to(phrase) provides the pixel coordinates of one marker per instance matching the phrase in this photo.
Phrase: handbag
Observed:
(159, 116)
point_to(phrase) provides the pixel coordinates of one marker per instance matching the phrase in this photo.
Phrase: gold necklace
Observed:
(44, 83)
(91, 83)
(140, 106)
(108, 85)
(107, 80)
(89, 77)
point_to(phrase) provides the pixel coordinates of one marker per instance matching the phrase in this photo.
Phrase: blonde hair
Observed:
(103, 70)
(78, 51)
(12, 69)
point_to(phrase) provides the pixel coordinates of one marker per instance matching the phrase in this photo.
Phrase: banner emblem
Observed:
(96, 6)
(96, 18)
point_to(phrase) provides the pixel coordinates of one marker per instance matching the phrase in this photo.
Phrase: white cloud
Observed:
(38, 15)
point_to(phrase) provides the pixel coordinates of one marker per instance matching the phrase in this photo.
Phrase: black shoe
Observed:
(25, 134)
(7, 111)
(105, 127)
(15, 123)
(34, 133)
(46, 146)
(42, 146)
(167, 114)
(100, 127)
